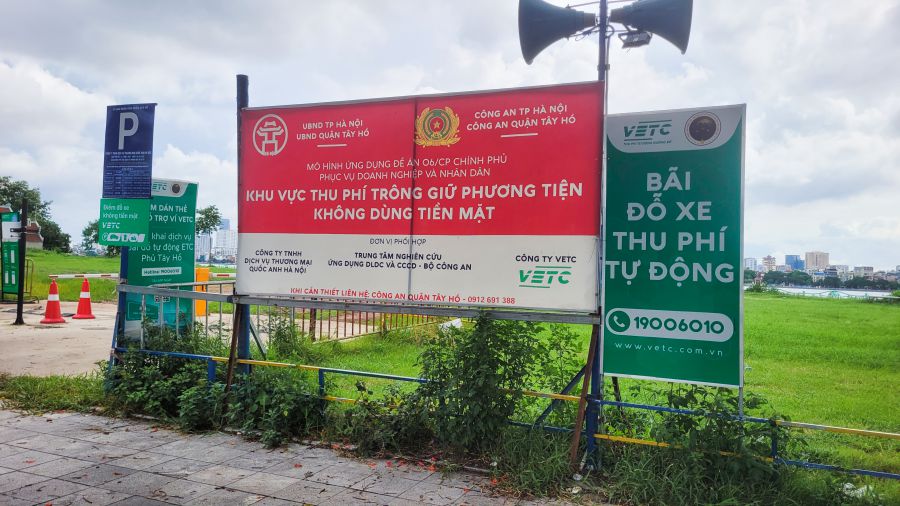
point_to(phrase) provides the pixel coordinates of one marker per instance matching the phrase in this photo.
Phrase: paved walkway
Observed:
(68, 459)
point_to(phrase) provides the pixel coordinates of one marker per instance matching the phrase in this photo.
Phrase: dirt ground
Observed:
(74, 347)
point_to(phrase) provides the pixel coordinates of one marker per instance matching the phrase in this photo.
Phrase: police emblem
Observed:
(437, 127)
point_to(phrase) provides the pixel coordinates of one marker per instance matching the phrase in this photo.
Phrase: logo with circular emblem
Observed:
(270, 135)
(702, 128)
(437, 127)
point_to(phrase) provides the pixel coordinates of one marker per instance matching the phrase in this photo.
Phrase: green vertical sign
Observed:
(167, 256)
(9, 251)
(673, 229)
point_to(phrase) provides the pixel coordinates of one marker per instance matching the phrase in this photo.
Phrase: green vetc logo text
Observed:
(648, 129)
(544, 276)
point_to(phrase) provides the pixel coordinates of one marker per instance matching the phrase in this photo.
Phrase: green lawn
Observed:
(102, 290)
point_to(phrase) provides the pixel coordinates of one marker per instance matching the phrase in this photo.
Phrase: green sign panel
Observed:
(124, 222)
(9, 251)
(167, 256)
(673, 246)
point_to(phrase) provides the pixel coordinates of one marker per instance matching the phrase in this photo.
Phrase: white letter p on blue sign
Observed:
(127, 132)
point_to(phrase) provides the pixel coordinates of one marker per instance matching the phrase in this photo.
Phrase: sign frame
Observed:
(657, 144)
(595, 171)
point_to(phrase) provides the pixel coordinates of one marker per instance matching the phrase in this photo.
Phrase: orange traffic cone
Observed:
(53, 313)
(84, 303)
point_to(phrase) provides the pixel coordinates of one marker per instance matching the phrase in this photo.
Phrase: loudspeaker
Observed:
(542, 24)
(670, 19)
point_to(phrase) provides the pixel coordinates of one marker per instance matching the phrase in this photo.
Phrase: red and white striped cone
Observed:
(84, 303)
(53, 314)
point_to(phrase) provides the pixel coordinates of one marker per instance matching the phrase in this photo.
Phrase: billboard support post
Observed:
(243, 344)
(23, 238)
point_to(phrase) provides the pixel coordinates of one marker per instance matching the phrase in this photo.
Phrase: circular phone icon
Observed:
(618, 321)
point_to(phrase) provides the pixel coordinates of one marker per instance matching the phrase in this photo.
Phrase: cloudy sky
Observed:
(820, 80)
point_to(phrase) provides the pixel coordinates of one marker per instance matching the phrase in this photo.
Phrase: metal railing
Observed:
(401, 311)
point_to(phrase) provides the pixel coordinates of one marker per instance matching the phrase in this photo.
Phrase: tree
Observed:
(12, 193)
(799, 278)
(775, 278)
(207, 222)
(90, 237)
(749, 275)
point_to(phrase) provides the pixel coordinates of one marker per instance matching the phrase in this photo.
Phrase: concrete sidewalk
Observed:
(69, 458)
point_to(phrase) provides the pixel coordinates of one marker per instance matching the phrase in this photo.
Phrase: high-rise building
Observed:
(750, 263)
(225, 224)
(769, 263)
(226, 243)
(816, 260)
(202, 245)
(794, 262)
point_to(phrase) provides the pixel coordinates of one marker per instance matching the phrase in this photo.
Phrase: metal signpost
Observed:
(673, 246)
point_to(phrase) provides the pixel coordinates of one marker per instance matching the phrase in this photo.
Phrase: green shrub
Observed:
(200, 407)
(475, 376)
(401, 422)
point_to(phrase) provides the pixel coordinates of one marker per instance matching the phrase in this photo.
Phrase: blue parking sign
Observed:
(128, 151)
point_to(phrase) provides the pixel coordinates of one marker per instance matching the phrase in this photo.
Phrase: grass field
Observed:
(102, 290)
(825, 361)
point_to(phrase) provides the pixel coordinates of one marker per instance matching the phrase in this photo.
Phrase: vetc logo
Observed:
(648, 129)
(543, 276)
(270, 135)
(125, 237)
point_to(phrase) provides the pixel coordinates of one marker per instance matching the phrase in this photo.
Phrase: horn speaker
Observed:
(542, 24)
(670, 19)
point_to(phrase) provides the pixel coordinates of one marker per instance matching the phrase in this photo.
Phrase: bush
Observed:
(399, 423)
(475, 378)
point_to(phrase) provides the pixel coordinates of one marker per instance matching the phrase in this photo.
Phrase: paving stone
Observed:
(8, 500)
(84, 450)
(105, 453)
(136, 500)
(17, 479)
(343, 474)
(90, 496)
(263, 483)
(180, 468)
(182, 491)
(220, 475)
(184, 448)
(59, 467)
(139, 483)
(7, 450)
(463, 481)
(385, 484)
(427, 492)
(226, 496)
(97, 474)
(46, 491)
(141, 460)
(301, 468)
(219, 454)
(12, 434)
(4, 470)
(26, 459)
(258, 460)
(357, 497)
(274, 501)
(42, 441)
(308, 492)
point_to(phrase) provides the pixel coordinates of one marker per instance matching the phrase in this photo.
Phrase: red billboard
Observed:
(488, 198)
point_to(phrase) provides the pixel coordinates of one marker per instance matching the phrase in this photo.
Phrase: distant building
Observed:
(863, 271)
(830, 272)
(750, 263)
(816, 260)
(794, 262)
(225, 224)
(226, 244)
(769, 263)
(783, 268)
(202, 245)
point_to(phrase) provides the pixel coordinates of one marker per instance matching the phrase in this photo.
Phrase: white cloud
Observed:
(818, 77)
